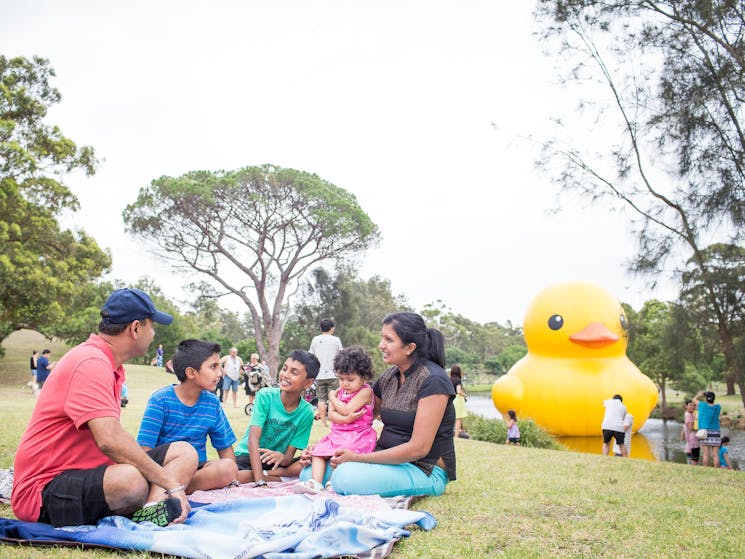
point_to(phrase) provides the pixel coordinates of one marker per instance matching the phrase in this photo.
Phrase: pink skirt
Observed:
(361, 442)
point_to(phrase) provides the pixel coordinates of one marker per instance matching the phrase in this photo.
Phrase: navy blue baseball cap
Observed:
(127, 305)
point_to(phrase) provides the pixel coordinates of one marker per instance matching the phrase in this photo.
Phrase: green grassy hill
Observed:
(507, 502)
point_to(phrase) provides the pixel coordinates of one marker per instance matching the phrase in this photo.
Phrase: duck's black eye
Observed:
(624, 322)
(555, 322)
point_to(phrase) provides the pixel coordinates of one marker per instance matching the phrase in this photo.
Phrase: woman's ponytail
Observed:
(435, 350)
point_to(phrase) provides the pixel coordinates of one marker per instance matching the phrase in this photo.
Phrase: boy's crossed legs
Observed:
(213, 474)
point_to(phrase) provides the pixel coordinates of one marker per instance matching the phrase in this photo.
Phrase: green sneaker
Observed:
(160, 514)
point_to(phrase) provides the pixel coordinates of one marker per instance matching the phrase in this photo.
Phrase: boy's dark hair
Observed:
(725, 439)
(354, 359)
(710, 397)
(326, 325)
(46, 352)
(192, 353)
(310, 362)
(618, 397)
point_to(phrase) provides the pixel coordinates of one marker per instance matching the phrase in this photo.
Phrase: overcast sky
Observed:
(391, 100)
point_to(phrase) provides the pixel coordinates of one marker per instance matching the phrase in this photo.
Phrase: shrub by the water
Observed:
(495, 431)
(675, 413)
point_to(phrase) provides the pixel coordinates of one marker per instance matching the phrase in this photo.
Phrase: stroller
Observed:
(310, 396)
(256, 379)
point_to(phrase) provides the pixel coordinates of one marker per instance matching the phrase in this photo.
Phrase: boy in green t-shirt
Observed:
(280, 424)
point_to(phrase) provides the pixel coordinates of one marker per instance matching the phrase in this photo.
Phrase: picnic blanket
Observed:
(279, 489)
(279, 527)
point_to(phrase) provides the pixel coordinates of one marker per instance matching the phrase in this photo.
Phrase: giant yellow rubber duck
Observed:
(576, 334)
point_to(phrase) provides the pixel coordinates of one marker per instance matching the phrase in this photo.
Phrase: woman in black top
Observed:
(459, 403)
(415, 454)
(32, 364)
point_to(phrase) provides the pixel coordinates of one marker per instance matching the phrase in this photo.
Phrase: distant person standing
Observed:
(43, 367)
(615, 413)
(688, 433)
(159, 356)
(232, 364)
(456, 377)
(708, 419)
(219, 392)
(513, 429)
(32, 365)
(325, 346)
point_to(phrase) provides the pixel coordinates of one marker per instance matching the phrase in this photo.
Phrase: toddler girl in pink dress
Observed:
(351, 414)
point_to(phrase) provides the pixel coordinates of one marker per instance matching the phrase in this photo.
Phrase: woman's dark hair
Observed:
(455, 372)
(410, 327)
(191, 354)
(354, 360)
(512, 414)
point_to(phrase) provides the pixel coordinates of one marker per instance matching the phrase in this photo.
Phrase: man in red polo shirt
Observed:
(75, 463)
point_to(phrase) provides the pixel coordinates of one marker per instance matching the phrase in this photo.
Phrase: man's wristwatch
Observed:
(260, 483)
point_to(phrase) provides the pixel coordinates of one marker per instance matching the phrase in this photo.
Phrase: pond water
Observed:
(657, 440)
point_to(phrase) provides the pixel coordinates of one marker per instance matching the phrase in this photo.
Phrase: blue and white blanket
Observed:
(294, 527)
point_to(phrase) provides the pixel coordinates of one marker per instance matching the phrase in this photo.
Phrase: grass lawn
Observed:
(508, 501)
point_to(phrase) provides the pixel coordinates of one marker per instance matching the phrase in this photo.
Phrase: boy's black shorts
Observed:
(244, 463)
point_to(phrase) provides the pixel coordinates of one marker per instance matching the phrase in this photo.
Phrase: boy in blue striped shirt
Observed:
(190, 411)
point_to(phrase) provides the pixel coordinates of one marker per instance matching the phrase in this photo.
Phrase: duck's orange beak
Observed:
(594, 335)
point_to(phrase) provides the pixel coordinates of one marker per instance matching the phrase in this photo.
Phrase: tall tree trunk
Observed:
(274, 359)
(730, 358)
(663, 398)
(729, 378)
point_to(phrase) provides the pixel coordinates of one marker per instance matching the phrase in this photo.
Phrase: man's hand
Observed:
(185, 507)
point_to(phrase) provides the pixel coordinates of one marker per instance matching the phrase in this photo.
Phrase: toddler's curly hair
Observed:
(355, 360)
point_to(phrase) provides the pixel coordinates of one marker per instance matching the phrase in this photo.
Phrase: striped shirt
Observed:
(167, 419)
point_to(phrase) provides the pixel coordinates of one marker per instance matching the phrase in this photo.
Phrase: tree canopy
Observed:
(43, 268)
(666, 347)
(715, 300)
(675, 74)
(356, 306)
(254, 232)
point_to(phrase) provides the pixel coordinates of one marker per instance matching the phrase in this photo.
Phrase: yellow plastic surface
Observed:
(574, 363)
